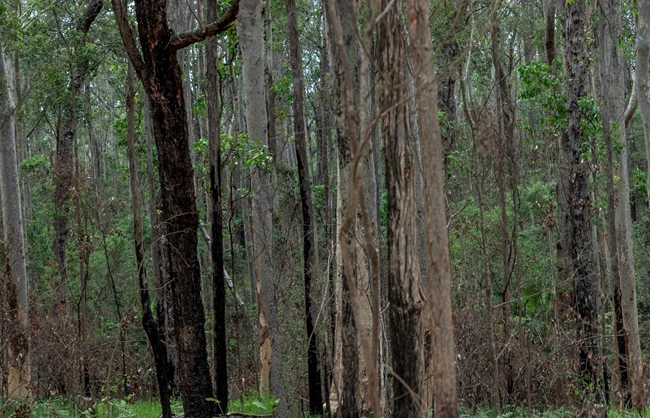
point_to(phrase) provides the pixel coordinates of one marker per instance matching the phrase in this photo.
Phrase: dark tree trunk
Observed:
(149, 322)
(405, 290)
(218, 286)
(308, 224)
(159, 71)
(579, 247)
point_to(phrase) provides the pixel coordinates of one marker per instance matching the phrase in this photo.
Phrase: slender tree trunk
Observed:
(310, 264)
(439, 292)
(218, 279)
(15, 331)
(495, 398)
(405, 290)
(63, 163)
(612, 102)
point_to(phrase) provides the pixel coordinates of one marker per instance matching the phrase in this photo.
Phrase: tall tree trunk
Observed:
(353, 325)
(405, 290)
(505, 132)
(160, 74)
(439, 292)
(149, 322)
(621, 251)
(608, 85)
(218, 286)
(628, 290)
(576, 175)
(250, 34)
(310, 264)
(63, 163)
(15, 331)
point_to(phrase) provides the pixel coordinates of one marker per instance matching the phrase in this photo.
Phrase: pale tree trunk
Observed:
(624, 215)
(16, 329)
(352, 269)
(250, 34)
(405, 290)
(578, 249)
(608, 63)
(439, 291)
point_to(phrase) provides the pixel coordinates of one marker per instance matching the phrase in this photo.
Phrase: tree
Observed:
(310, 264)
(149, 321)
(157, 68)
(250, 35)
(218, 279)
(16, 331)
(439, 292)
(577, 244)
(405, 289)
(63, 165)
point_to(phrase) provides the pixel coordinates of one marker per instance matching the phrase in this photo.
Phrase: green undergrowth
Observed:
(64, 407)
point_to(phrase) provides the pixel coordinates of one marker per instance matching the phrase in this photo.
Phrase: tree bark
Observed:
(405, 290)
(439, 292)
(16, 330)
(149, 322)
(576, 176)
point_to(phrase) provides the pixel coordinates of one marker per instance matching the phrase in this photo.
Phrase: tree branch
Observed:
(188, 38)
(128, 38)
(631, 106)
(90, 14)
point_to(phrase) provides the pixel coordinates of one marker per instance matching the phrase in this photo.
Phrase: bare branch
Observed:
(631, 106)
(188, 38)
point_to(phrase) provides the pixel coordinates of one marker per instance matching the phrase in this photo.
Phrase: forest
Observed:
(319, 208)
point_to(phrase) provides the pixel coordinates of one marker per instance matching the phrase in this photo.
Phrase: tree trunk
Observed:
(149, 322)
(405, 290)
(15, 331)
(439, 292)
(345, 395)
(218, 280)
(160, 74)
(310, 264)
(250, 34)
(608, 85)
(63, 163)
(576, 176)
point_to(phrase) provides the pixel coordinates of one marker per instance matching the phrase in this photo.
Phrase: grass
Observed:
(63, 407)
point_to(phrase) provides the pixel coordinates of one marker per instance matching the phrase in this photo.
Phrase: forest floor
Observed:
(63, 407)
